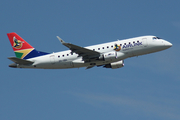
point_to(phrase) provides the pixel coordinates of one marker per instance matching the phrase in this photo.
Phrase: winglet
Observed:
(60, 40)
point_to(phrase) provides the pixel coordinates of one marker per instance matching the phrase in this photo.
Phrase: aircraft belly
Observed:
(63, 64)
(142, 51)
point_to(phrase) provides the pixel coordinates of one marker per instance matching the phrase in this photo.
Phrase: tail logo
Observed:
(117, 47)
(17, 43)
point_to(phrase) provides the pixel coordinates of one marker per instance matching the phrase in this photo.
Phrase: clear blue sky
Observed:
(147, 88)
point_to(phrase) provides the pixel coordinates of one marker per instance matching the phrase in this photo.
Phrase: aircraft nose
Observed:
(167, 44)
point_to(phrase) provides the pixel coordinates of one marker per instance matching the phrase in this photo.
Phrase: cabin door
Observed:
(52, 59)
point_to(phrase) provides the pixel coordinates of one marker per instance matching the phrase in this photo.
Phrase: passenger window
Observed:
(93, 49)
(124, 43)
(102, 47)
(120, 44)
(138, 41)
(107, 46)
(59, 56)
(98, 48)
(67, 54)
(112, 46)
(133, 41)
(63, 55)
(129, 42)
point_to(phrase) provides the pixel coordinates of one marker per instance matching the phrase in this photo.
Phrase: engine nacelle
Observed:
(115, 65)
(108, 56)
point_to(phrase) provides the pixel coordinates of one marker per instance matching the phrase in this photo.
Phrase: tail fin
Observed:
(22, 49)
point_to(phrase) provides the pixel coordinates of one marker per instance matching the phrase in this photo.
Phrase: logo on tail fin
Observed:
(17, 43)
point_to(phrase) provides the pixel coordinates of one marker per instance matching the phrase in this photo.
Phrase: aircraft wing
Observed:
(81, 51)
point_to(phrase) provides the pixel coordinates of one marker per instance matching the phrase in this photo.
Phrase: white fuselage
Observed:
(129, 48)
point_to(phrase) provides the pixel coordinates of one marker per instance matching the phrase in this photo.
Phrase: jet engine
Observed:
(108, 56)
(115, 65)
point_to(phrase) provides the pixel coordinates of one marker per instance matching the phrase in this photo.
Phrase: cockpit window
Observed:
(158, 38)
(155, 38)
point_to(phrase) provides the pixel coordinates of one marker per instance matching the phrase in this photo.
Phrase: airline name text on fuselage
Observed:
(132, 45)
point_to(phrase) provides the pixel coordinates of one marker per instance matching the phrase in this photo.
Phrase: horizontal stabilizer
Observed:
(20, 61)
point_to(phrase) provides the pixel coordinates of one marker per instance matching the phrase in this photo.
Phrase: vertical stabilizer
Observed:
(21, 48)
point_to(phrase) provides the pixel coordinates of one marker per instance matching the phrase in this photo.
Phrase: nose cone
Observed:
(167, 44)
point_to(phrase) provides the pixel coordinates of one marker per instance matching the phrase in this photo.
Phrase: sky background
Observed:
(146, 88)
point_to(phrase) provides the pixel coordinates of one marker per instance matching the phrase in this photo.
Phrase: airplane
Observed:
(108, 55)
